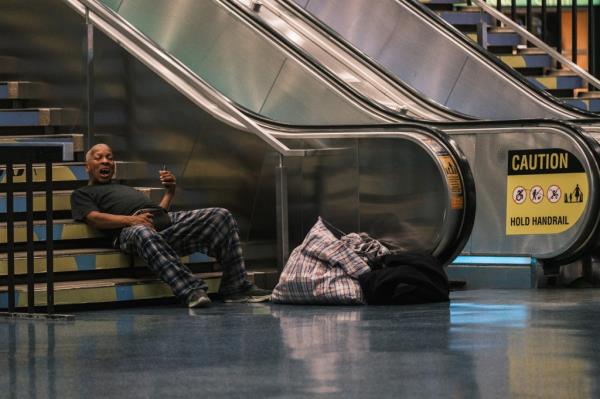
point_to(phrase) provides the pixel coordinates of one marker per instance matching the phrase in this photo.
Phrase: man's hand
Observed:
(145, 219)
(168, 180)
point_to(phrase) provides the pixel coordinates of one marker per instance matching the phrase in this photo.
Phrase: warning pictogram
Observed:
(536, 194)
(553, 193)
(574, 196)
(519, 195)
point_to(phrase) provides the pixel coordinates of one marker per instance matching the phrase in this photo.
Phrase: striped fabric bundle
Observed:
(322, 270)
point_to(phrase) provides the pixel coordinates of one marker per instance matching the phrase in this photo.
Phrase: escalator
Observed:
(407, 183)
(237, 50)
(419, 48)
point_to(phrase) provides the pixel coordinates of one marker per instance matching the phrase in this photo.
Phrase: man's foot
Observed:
(198, 299)
(252, 294)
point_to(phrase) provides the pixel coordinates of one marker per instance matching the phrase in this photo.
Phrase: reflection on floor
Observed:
(488, 343)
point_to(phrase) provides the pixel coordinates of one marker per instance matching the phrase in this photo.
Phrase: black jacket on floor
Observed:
(406, 278)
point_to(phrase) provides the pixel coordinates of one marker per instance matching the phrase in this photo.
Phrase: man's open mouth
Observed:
(105, 172)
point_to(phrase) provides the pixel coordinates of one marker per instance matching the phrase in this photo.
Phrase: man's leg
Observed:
(212, 231)
(162, 259)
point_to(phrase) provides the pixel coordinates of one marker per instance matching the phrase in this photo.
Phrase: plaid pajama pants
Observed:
(212, 231)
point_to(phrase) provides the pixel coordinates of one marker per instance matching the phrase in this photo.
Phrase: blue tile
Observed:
(124, 292)
(19, 118)
(85, 262)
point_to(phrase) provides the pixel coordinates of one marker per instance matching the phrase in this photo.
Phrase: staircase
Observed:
(87, 269)
(534, 64)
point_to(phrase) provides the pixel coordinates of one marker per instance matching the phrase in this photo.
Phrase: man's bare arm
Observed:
(105, 221)
(169, 181)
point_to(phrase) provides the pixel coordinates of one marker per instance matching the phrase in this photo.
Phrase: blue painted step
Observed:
(587, 104)
(558, 82)
(526, 60)
(508, 39)
(465, 17)
(31, 117)
(19, 90)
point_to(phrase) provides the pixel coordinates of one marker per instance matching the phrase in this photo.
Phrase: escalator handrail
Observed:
(397, 117)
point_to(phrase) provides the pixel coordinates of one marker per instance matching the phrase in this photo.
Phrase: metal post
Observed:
(49, 242)
(574, 31)
(29, 244)
(482, 34)
(528, 16)
(10, 236)
(89, 139)
(544, 20)
(591, 41)
(281, 198)
(499, 7)
(559, 28)
(513, 10)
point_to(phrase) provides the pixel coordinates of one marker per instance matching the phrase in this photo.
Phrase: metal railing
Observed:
(587, 76)
(545, 28)
(26, 156)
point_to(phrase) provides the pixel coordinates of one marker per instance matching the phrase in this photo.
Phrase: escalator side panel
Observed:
(239, 62)
(431, 61)
(297, 100)
(490, 161)
(147, 121)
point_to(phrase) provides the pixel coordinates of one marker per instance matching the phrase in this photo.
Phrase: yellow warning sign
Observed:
(454, 183)
(546, 191)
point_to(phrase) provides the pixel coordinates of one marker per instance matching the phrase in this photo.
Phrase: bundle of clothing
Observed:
(332, 268)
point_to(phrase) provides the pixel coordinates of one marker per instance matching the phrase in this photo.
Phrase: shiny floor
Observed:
(485, 344)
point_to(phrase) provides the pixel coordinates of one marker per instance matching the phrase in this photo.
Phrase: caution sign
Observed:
(457, 200)
(546, 191)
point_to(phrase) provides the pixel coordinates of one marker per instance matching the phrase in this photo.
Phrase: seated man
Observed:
(142, 227)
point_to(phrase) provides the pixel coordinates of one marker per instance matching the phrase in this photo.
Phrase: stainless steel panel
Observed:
(239, 62)
(216, 165)
(408, 208)
(185, 28)
(489, 158)
(355, 21)
(496, 98)
(401, 196)
(418, 64)
(431, 60)
(298, 100)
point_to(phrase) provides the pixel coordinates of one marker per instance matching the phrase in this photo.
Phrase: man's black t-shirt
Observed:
(113, 198)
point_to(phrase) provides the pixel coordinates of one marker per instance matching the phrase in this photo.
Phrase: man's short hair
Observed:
(89, 154)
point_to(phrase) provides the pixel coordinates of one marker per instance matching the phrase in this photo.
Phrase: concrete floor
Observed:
(485, 344)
